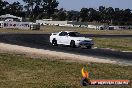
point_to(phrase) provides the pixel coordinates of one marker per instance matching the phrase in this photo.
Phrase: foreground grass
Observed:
(22, 72)
(51, 29)
(121, 44)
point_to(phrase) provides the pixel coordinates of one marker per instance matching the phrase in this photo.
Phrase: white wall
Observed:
(121, 27)
(15, 25)
(51, 22)
(92, 26)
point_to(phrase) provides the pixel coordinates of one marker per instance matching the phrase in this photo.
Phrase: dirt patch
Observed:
(40, 53)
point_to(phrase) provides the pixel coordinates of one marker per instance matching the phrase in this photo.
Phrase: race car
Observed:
(70, 38)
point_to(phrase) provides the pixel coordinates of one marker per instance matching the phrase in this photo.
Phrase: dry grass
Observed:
(121, 44)
(51, 29)
(22, 72)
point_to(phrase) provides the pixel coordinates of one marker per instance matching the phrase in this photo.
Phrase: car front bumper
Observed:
(85, 43)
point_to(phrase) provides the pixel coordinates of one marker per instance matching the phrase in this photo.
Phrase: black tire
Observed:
(54, 42)
(89, 47)
(72, 44)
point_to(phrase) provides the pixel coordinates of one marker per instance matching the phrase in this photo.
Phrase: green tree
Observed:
(73, 15)
(61, 15)
(84, 14)
(49, 7)
(15, 8)
(102, 11)
(3, 5)
(40, 8)
(110, 15)
(30, 4)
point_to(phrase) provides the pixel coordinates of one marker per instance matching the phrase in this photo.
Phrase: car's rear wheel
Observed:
(72, 44)
(54, 42)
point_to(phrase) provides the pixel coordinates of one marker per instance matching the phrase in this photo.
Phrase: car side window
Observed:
(63, 34)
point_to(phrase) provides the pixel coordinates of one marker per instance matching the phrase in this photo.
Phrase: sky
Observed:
(78, 4)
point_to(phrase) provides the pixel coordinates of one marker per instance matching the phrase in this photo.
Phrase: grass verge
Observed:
(51, 29)
(121, 44)
(21, 72)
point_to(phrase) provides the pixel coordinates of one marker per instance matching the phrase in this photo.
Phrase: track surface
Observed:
(41, 41)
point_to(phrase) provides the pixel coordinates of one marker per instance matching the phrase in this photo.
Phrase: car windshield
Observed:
(74, 34)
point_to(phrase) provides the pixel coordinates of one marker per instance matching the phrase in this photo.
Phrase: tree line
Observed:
(45, 9)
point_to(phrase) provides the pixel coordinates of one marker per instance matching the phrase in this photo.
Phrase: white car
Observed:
(70, 38)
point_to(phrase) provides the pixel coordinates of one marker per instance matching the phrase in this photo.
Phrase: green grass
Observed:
(121, 44)
(17, 71)
(51, 29)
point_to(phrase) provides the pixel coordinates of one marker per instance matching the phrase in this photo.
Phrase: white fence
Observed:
(15, 25)
(107, 27)
(120, 27)
(42, 22)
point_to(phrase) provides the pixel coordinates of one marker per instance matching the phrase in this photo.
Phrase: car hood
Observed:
(81, 38)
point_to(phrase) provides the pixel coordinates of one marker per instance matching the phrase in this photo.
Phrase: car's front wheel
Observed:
(54, 42)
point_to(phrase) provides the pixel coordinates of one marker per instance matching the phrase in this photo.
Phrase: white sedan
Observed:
(70, 38)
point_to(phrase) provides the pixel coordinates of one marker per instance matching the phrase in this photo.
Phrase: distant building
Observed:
(81, 24)
(9, 17)
(13, 22)
(61, 23)
(48, 19)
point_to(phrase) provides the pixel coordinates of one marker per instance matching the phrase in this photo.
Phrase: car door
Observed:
(63, 37)
(59, 37)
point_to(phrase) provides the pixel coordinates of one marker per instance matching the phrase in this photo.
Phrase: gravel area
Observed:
(39, 53)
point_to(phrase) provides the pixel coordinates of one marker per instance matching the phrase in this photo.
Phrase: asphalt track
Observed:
(41, 41)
